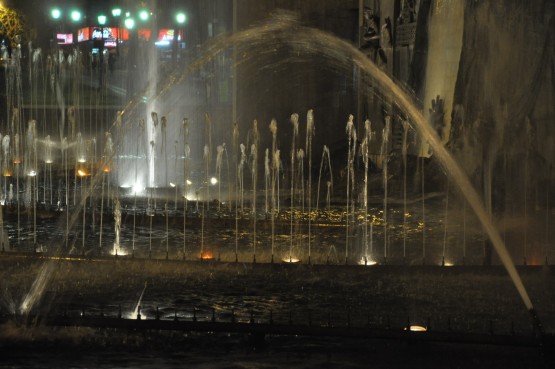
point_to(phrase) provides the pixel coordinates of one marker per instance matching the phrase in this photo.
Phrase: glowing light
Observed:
(17, 161)
(180, 18)
(82, 160)
(367, 261)
(143, 15)
(448, 264)
(291, 260)
(32, 173)
(417, 328)
(75, 15)
(172, 184)
(213, 180)
(102, 19)
(106, 170)
(162, 43)
(116, 12)
(48, 161)
(118, 251)
(55, 13)
(129, 23)
(137, 188)
(81, 173)
(188, 182)
(206, 255)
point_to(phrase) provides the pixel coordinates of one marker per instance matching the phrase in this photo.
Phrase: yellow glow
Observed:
(118, 251)
(81, 173)
(106, 170)
(291, 259)
(17, 161)
(367, 262)
(417, 328)
(207, 255)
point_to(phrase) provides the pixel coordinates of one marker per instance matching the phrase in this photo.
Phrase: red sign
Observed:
(164, 34)
(84, 34)
(110, 35)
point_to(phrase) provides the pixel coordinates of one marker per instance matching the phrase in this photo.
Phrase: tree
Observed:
(13, 28)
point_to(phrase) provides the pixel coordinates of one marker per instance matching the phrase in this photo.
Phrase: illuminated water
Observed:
(337, 233)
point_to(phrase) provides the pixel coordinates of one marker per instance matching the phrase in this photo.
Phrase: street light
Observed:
(102, 19)
(116, 13)
(75, 15)
(129, 23)
(143, 15)
(181, 18)
(55, 13)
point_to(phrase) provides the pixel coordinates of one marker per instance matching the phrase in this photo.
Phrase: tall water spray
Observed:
(295, 123)
(366, 160)
(254, 170)
(310, 133)
(352, 139)
(301, 194)
(207, 151)
(404, 149)
(325, 163)
(116, 250)
(107, 160)
(384, 153)
(48, 160)
(267, 174)
(5, 163)
(219, 161)
(206, 202)
(240, 173)
(152, 139)
(186, 156)
(273, 131)
(276, 165)
(164, 148)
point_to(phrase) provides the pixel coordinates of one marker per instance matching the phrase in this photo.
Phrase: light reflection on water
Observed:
(363, 294)
(327, 246)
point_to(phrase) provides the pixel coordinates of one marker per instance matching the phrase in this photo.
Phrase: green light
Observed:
(102, 19)
(143, 15)
(181, 18)
(56, 13)
(116, 12)
(129, 23)
(76, 15)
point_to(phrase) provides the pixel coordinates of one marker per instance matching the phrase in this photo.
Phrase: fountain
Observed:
(293, 233)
